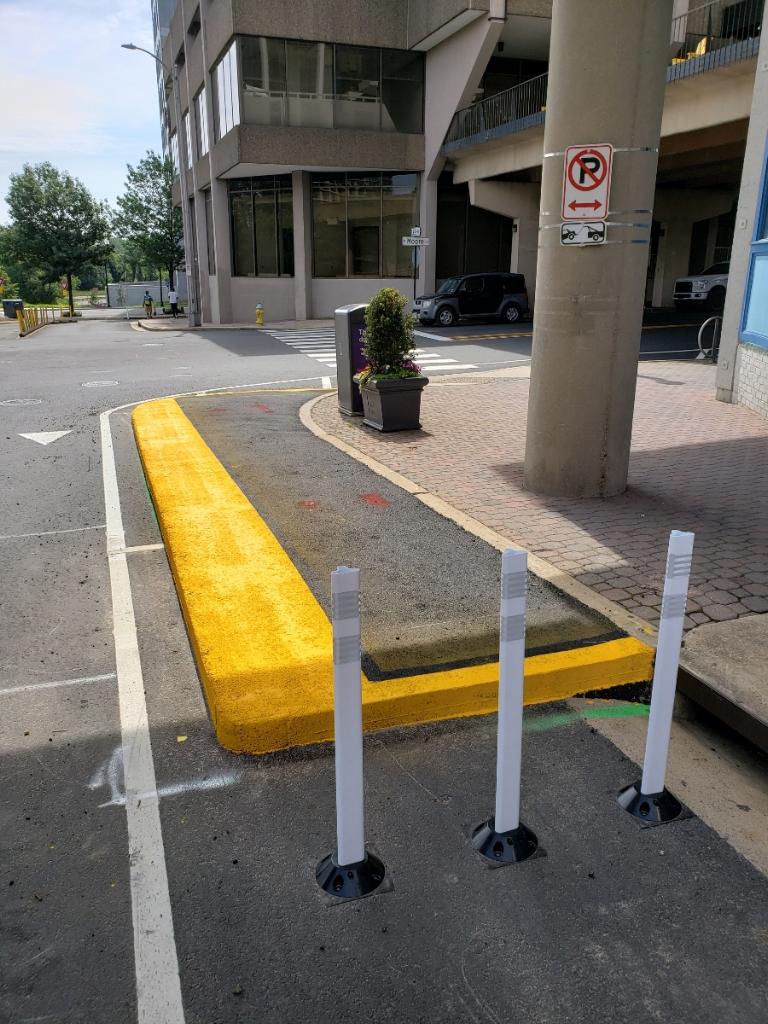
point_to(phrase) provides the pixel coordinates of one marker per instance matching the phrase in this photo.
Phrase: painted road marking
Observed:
(49, 533)
(22, 401)
(143, 547)
(158, 988)
(110, 772)
(56, 683)
(326, 383)
(320, 344)
(269, 647)
(99, 384)
(46, 436)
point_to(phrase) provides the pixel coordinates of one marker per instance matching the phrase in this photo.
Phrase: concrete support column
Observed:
(672, 259)
(589, 301)
(428, 222)
(520, 202)
(302, 244)
(221, 301)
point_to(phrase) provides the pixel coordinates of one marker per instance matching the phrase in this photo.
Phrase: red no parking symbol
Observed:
(587, 181)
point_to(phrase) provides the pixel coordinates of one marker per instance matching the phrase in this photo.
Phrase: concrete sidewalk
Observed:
(696, 464)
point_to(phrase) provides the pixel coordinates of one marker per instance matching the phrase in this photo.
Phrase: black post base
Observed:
(504, 847)
(352, 881)
(655, 808)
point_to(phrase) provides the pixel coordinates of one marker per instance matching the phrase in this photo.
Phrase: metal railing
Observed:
(525, 103)
(713, 34)
(32, 318)
(705, 37)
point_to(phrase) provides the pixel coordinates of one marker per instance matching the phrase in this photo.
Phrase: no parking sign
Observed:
(587, 181)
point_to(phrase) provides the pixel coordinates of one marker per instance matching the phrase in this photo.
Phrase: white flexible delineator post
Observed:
(348, 715)
(678, 573)
(514, 575)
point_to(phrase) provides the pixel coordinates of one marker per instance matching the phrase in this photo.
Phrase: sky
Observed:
(70, 95)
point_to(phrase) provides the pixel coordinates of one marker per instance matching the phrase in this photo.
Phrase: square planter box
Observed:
(393, 404)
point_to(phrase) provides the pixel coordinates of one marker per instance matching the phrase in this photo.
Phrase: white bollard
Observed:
(503, 838)
(351, 872)
(649, 800)
(348, 716)
(509, 740)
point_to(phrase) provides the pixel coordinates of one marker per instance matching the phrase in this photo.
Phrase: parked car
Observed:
(475, 297)
(704, 289)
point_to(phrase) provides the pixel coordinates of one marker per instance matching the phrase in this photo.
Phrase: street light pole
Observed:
(186, 218)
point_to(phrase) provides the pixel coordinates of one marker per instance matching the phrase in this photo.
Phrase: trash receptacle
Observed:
(350, 323)
(11, 307)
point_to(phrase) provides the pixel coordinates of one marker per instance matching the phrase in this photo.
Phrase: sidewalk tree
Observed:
(149, 222)
(57, 227)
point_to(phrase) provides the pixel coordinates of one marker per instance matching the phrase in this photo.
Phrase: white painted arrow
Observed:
(46, 436)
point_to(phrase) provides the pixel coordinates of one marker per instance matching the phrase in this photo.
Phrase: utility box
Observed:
(350, 324)
(11, 307)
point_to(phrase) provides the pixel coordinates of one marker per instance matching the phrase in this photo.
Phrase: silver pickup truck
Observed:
(705, 289)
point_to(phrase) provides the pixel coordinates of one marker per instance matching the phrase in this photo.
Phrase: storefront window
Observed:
(359, 222)
(262, 226)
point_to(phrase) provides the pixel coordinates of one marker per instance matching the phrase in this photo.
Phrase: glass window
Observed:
(756, 318)
(175, 153)
(309, 70)
(329, 224)
(262, 226)
(201, 124)
(399, 213)
(209, 236)
(264, 85)
(188, 139)
(359, 221)
(358, 87)
(364, 225)
(243, 257)
(402, 91)
(285, 227)
(226, 94)
(327, 85)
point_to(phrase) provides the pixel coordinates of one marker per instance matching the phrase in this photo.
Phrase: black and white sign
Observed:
(587, 181)
(582, 233)
(409, 240)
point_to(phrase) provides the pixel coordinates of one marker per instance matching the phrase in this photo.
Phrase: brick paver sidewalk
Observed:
(697, 464)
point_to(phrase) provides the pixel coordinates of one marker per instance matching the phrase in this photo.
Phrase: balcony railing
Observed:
(714, 34)
(705, 37)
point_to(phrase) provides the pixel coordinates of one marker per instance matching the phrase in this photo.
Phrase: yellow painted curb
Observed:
(262, 642)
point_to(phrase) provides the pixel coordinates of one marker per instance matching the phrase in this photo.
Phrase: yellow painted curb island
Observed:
(260, 638)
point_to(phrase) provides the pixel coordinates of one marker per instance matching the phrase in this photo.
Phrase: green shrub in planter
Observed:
(392, 382)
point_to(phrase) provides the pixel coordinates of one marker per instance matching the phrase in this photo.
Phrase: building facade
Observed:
(318, 133)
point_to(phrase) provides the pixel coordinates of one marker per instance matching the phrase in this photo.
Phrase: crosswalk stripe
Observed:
(320, 346)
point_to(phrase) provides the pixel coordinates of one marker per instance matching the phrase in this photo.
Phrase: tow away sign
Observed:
(587, 182)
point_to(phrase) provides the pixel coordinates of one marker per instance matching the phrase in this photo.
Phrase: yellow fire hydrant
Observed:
(259, 315)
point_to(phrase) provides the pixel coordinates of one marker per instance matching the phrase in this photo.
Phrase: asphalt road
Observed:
(616, 924)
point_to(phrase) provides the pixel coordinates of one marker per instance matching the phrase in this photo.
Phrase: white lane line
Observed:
(49, 533)
(158, 988)
(326, 383)
(82, 681)
(144, 547)
(453, 366)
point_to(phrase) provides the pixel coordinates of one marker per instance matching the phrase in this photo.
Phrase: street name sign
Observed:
(587, 182)
(409, 240)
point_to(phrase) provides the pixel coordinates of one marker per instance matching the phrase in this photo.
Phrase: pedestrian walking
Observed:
(149, 305)
(173, 298)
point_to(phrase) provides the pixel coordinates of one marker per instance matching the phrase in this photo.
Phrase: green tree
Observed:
(57, 227)
(25, 282)
(149, 222)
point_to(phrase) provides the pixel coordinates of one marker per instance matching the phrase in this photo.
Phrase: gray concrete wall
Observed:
(329, 147)
(276, 294)
(732, 383)
(427, 17)
(349, 21)
(330, 293)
